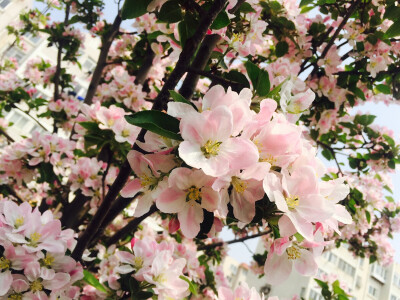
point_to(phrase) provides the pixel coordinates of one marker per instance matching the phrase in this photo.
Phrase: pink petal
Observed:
(131, 188)
(171, 200)
(243, 210)
(190, 218)
(306, 264)
(209, 199)
(6, 280)
(277, 269)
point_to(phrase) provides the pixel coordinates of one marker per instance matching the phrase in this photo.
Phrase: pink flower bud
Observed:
(133, 241)
(173, 225)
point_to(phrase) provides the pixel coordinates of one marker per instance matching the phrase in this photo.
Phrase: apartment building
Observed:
(36, 47)
(363, 281)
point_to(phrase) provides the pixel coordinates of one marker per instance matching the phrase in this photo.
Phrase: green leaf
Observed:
(275, 91)
(246, 8)
(157, 122)
(93, 281)
(179, 98)
(393, 30)
(263, 84)
(392, 12)
(337, 289)
(253, 71)
(358, 92)
(321, 283)
(142, 295)
(237, 76)
(327, 154)
(392, 164)
(364, 119)
(170, 12)
(372, 259)
(221, 21)
(281, 48)
(389, 140)
(299, 237)
(368, 216)
(360, 46)
(390, 199)
(305, 2)
(134, 8)
(306, 9)
(388, 189)
(259, 78)
(192, 286)
(91, 126)
(383, 88)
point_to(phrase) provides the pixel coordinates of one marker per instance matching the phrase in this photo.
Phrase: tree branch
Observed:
(199, 63)
(116, 208)
(218, 79)
(9, 138)
(219, 244)
(57, 74)
(201, 59)
(107, 40)
(130, 228)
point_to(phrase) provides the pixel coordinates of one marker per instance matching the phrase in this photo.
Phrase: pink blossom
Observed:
(188, 193)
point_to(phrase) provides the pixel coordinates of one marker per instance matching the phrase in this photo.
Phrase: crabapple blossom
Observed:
(188, 193)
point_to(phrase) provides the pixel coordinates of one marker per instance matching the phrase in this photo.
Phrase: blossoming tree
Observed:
(206, 114)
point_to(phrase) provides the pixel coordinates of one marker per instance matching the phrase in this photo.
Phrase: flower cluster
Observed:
(33, 260)
(236, 157)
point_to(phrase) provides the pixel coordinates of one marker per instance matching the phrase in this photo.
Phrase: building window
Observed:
(89, 65)
(17, 119)
(379, 272)
(347, 268)
(315, 295)
(233, 269)
(393, 297)
(396, 280)
(4, 3)
(34, 39)
(373, 291)
(15, 53)
(332, 258)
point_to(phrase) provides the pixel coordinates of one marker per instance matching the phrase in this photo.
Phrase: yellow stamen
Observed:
(293, 252)
(48, 260)
(15, 297)
(211, 148)
(19, 222)
(125, 133)
(193, 193)
(34, 239)
(292, 201)
(36, 286)
(138, 262)
(239, 185)
(148, 181)
(161, 278)
(4, 263)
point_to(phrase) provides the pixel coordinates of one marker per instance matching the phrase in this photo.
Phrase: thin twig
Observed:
(130, 228)
(219, 244)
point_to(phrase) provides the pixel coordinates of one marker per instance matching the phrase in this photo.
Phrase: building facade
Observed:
(362, 280)
(36, 47)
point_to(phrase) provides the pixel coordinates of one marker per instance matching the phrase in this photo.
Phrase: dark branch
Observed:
(130, 228)
(219, 244)
(107, 40)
